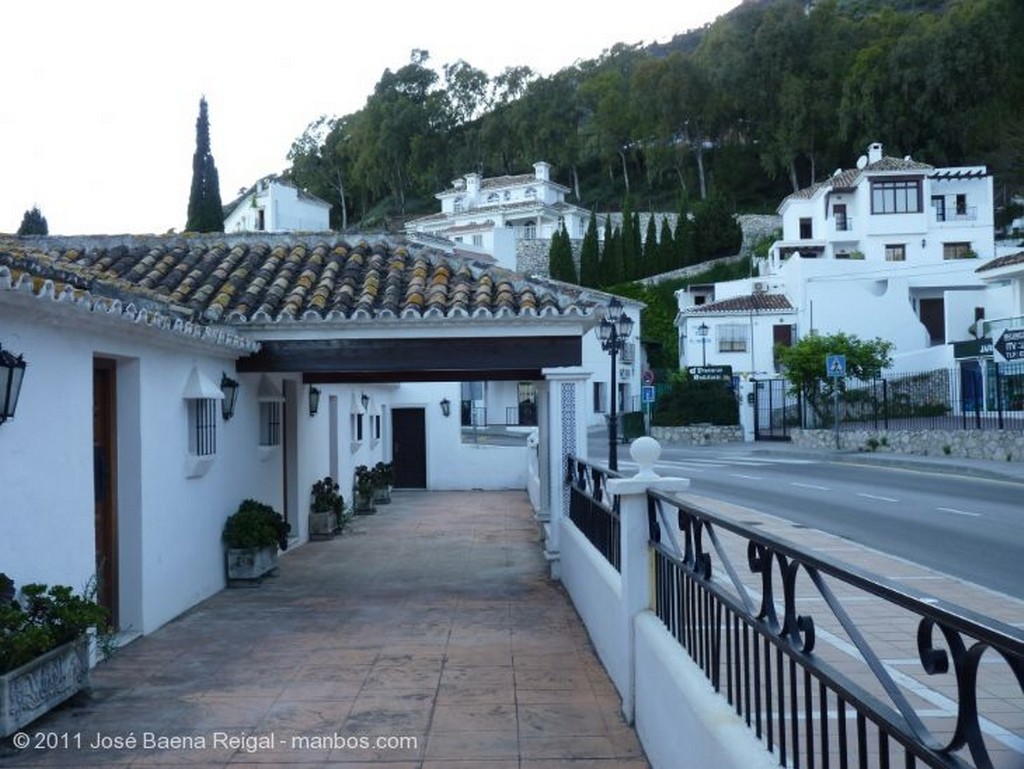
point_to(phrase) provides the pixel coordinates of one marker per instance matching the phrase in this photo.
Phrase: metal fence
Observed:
(592, 509)
(758, 649)
(968, 397)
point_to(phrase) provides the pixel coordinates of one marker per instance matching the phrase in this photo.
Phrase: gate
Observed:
(775, 410)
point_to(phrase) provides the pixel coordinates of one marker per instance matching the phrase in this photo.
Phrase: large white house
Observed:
(488, 215)
(893, 248)
(122, 460)
(273, 205)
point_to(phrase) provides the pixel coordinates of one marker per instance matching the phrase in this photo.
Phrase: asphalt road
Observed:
(967, 527)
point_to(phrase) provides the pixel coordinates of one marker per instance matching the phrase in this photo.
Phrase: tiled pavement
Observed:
(431, 625)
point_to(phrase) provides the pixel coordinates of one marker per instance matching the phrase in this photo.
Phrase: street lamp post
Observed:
(613, 331)
(702, 332)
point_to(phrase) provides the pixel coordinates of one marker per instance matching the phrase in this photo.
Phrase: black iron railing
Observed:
(810, 707)
(592, 509)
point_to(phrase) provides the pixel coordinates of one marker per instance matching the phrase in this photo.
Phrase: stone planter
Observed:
(322, 525)
(251, 563)
(40, 685)
(382, 495)
(364, 503)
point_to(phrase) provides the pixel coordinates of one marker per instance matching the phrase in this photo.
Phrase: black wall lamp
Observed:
(229, 387)
(446, 407)
(314, 400)
(12, 371)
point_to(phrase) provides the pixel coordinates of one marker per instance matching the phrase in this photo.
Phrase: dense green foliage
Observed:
(804, 365)
(34, 223)
(768, 99)
(205, 211)
(688, 402)
(560, 264)
(256, 524)
(45, 618)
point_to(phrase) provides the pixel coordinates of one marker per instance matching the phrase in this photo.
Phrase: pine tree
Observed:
(205, 211)
(34, 223)
(560, 264)
(590, 257)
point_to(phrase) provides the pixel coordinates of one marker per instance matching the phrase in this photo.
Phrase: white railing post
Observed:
(635, 565)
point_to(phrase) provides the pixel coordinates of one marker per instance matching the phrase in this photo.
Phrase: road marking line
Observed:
(748, 477)
(809, 486)
(954, 511)
(875, 496)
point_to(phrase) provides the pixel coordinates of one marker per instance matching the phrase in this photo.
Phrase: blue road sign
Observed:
(835, 365)
(647, 394)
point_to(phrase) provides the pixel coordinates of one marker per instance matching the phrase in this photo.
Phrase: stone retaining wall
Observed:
(1000, 445)
(697, 435)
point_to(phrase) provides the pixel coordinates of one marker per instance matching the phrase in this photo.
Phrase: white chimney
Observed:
(874, 152)
(472, 184)
(542, 171)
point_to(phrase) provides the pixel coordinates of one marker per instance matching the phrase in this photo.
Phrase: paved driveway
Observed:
(428, 635)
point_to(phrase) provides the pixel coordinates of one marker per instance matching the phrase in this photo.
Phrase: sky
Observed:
(99, 99)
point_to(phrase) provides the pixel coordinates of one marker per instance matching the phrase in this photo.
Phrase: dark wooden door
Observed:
(409, 448)
(104, 442)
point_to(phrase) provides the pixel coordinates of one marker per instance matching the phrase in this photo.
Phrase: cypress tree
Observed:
(34, 223)
(560, 264)
(205, 211)
(667, 246)
(590, 257)
(652, 258)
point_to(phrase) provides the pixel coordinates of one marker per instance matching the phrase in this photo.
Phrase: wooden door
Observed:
(104, 441)
(409, 447)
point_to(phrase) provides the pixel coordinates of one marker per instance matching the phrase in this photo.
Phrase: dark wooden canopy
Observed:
(439, 359)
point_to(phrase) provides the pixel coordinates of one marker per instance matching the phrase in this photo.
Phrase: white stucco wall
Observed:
(169, 525)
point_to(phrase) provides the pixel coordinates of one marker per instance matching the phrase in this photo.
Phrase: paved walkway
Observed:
(428, 635)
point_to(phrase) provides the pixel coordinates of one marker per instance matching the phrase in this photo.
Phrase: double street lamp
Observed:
(613, 331)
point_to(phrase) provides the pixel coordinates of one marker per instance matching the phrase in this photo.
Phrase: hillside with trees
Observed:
(770, 98)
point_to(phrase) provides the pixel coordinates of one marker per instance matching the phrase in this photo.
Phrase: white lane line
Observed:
(809, 486)
(954, 511)
(748, 477)
(875, 496)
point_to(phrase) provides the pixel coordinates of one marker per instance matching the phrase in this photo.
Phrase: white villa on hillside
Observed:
(889, 249)
(488, 215)
(273, 205)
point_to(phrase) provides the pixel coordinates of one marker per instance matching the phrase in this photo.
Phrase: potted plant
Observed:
(253, 535)
(364, 485)
(44, 648)
(383, 478)
(326, 509)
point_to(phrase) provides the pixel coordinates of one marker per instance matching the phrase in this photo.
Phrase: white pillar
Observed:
(565, 425)
(635, 564)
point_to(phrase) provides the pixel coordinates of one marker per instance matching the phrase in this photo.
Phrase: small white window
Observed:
(202, 427)
(270, 423)
(732, 337)
(478, 240)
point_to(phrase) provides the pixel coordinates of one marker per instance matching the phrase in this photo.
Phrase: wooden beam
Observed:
(437, 359)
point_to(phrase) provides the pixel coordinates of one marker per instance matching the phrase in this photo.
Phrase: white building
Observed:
(273, 205)
(488, 215)
(120, 461)
(889, 249)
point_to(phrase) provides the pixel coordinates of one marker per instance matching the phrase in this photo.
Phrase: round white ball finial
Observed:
(645, 452)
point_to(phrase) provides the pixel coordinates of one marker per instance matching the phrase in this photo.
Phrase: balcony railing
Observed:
(968, 214)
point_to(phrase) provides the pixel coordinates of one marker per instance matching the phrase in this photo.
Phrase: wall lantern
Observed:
(446, 407)
(12, 371)
(229, 387)
(314, 400)
(365, 400)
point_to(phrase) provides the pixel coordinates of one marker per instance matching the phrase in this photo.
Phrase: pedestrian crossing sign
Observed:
(835, 365)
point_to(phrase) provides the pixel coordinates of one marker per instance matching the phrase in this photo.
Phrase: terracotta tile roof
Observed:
(1002, 261)
(753, 303)
(233, 280)
(847, 179)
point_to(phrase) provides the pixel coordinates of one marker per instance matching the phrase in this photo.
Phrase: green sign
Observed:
(709, 373)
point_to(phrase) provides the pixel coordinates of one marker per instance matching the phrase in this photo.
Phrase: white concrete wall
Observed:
(679, 714)
(596, 591)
